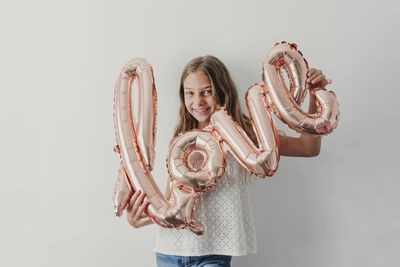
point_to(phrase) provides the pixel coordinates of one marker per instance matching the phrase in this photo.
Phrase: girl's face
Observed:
(199, 99)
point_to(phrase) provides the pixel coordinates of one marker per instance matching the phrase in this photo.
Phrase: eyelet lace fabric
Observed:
(226, 212)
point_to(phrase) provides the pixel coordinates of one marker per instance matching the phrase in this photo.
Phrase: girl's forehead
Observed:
(197, 79)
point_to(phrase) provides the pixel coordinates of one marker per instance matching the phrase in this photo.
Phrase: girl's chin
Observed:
(202, 119)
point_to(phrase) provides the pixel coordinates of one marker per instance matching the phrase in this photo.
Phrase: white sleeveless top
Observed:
(226, 212)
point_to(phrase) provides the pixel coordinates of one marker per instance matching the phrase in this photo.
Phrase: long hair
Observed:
(223, 88)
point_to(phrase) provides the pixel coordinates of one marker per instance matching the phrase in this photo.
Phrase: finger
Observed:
(138, 202)
(142, 207)
(141, 221)
(318, 79)
(325, 82)
(310, 72)
(138, 207)
(314, 75)
(128, 207)
(133, 198)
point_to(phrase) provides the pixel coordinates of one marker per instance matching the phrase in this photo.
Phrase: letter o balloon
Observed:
(286, 101)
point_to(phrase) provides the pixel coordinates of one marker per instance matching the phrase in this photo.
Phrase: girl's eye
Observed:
(208, 92)
(188, 93)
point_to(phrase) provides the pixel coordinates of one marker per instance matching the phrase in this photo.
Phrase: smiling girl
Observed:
(226, 209)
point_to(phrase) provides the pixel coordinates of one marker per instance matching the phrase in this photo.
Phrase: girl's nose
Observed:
(198, 100)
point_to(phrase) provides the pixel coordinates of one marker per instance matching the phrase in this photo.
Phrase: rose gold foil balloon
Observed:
(286, 103)
(209, 156)
(196, 159)
(122, 192)
(262, 161)
(136, 146)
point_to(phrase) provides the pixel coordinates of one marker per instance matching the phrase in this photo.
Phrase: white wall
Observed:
(60, 60)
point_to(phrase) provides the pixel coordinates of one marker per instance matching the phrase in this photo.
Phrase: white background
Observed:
(60, 60)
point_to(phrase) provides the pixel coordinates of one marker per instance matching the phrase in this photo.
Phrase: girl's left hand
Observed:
(315, 79)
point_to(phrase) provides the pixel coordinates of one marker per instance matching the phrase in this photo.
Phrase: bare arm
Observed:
(305, 145)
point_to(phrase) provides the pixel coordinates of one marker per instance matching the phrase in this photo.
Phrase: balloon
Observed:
(179, 164)
(136, 141)
(196, 160)
(287, 103)
(261, 161)
(122, 192)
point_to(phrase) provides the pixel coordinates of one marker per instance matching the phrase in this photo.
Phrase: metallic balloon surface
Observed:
(196, 147)
(122, 192)
(261, 161)
(137, 152)
(286, 103)
(196, 159)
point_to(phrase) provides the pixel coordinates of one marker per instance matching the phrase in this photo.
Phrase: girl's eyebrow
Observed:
(205, 87)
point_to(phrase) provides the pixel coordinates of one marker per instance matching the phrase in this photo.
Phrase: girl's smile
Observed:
(201, 111)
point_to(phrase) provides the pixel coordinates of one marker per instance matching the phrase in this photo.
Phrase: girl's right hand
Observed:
(136, 211)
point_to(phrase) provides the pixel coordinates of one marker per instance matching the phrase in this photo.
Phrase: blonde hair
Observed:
(223, 88)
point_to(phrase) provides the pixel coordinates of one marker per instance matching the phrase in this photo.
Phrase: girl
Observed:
(225, 210)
